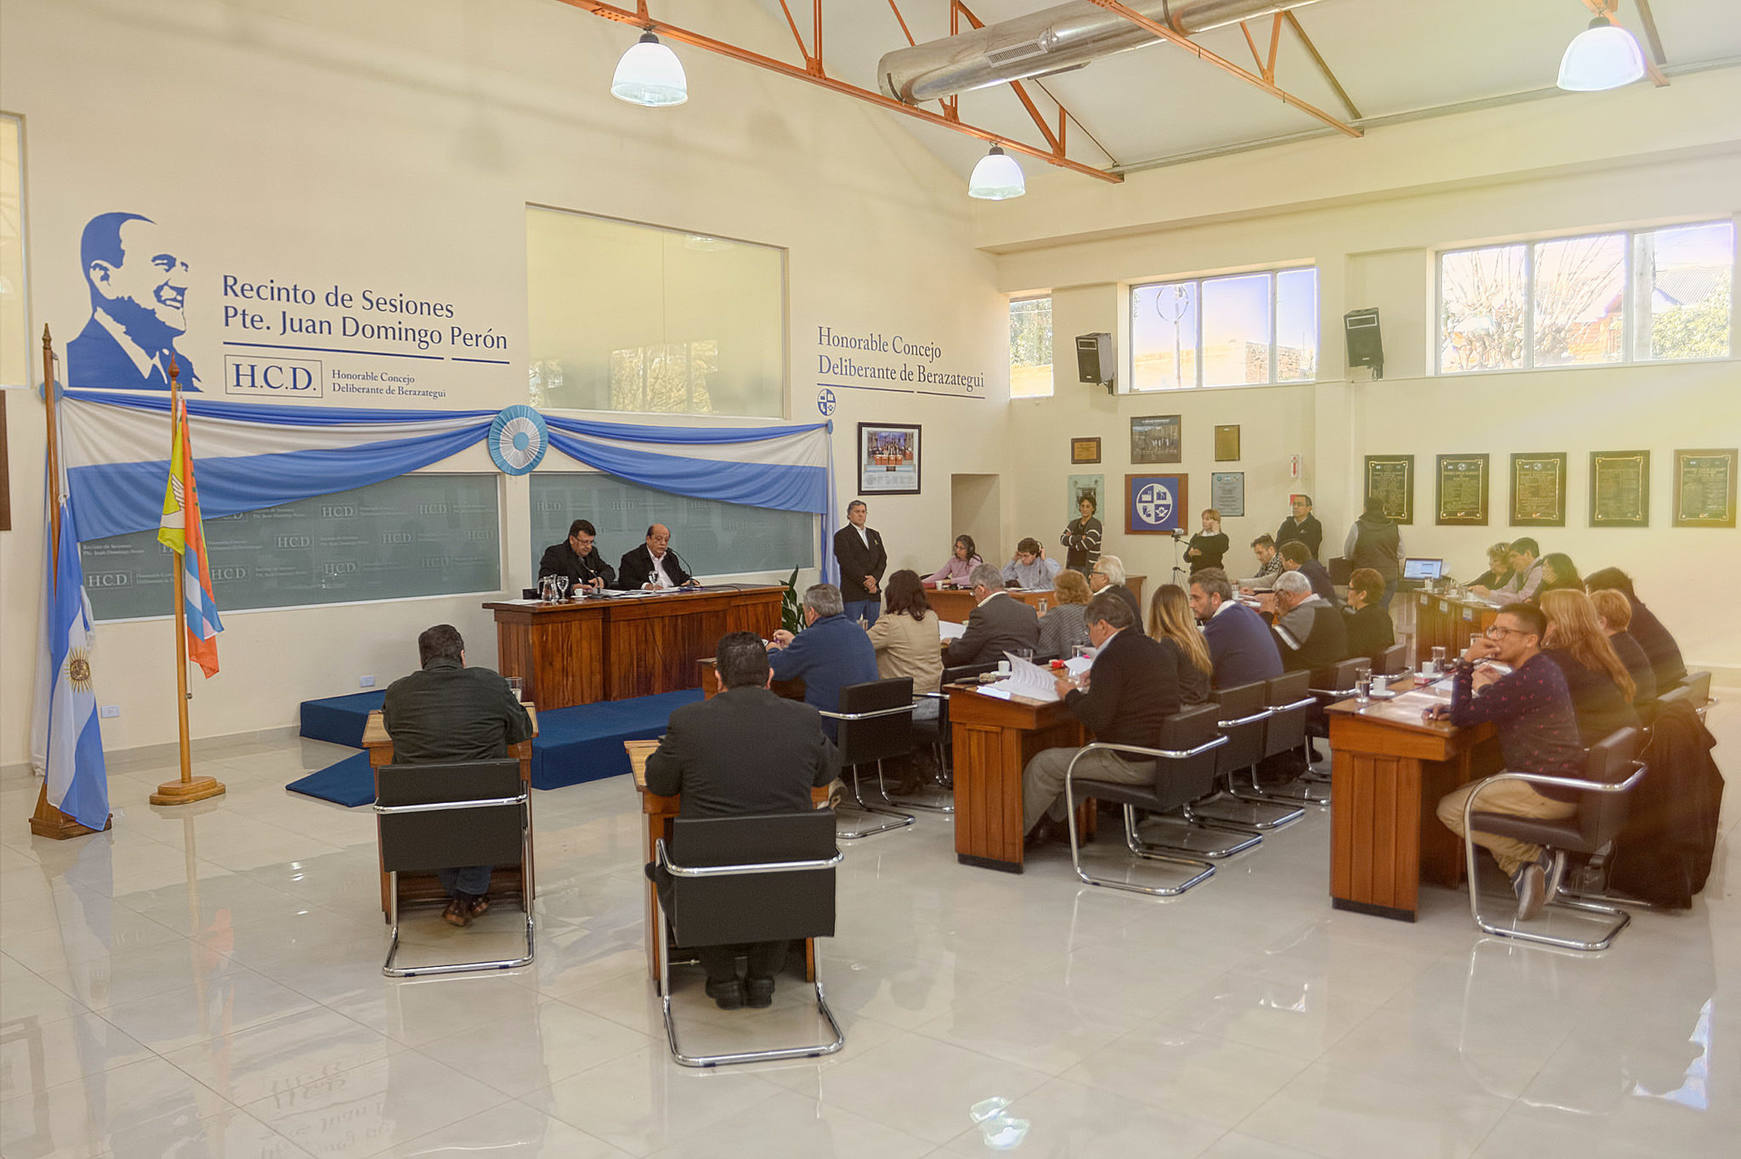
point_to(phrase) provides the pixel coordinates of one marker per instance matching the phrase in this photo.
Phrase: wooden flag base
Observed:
(50, 822)
(187, 792)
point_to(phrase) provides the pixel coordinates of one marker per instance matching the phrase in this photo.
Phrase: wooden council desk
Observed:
(414, 887)
(956, 604)
(1443, 622)
(615, 648)
(1389, 769)
(994, 738)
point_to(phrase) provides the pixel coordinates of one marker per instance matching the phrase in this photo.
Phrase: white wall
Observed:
(400, 141)
(1371, 215)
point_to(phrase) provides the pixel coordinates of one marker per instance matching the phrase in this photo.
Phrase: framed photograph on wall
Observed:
(1227, 444)
(888, 459)
(1705, 488)
(1227, 493)
(1084, 451)
(1538, 489)
(1078, 487)
(1392, 478)
(1461, 492)
(1619, 488)
(1154, 504)
(1155, 439)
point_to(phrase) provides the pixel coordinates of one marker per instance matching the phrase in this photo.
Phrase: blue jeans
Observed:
(473, 879)
(869, 610)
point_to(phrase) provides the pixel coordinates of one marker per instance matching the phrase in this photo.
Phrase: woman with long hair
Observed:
(963, 558)
(1615, 615)
(1065, 624)
(1600, 686)
(908, 643)
(1559, 573)
(1171, 623)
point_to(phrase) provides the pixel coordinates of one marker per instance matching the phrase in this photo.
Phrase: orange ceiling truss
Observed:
(813, 72)
(1648, 18)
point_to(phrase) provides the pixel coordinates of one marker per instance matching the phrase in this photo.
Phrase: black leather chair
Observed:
(1611, 771)
(1698, 685)
(1245, 713)
(1184, 772)
(932, 734)
(760, 878)
(875, 723)
(1290, 700)
(1329, 685)
(446, 816)
(1393, 661)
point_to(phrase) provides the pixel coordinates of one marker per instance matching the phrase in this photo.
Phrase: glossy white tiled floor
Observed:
(206, 982)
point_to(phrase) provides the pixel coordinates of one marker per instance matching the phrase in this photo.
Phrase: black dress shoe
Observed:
(726, 995)
(759, 992)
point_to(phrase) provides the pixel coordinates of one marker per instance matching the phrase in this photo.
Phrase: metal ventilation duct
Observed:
(1053, 40)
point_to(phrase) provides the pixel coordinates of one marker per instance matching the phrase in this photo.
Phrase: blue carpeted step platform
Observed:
(582, 743)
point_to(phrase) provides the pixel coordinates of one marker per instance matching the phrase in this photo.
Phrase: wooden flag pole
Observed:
(189, 788)
(48, 821)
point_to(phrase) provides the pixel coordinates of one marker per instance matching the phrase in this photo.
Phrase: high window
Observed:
(1031, 347)
(1240, 330)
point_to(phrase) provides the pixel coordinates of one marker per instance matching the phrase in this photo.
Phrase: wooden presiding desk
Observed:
(956, 604)
(617, 647)
(1389, 770)
(415, 887)
(994, 737)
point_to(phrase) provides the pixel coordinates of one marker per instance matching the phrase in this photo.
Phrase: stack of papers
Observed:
(1032, 682)
(951, 631)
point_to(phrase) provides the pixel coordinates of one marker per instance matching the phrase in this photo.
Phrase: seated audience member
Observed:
(1600, 687)
(998, 623)
(1081, 538)
(1374, 542)
(1665, 655)
(1029, 567)
(448, 712)
(1498, 571)
(742, 752)
(577, 559)
(653, 565)
(1269, 563)
(1559, 574)
(1174, 627)
(1241, 648)
(1526, 575)
(1296, 559)
(1538, 733)
(830, 653)
(963, 558)
(1366, 618)
(907, 640)
(1615, 616)
(1302, 526)
(1133, 687)
(1108, 576)
(1308, 630)
(1208, 547)
(1065, 626)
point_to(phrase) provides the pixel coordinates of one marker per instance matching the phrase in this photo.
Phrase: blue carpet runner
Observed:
(574, 745)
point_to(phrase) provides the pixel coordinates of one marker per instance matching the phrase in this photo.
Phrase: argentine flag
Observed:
(68, 739)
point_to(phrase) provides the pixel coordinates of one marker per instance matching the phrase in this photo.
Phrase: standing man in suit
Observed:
(859, 552)
(1241, 649)
(653, 565)
(1302, 526)
(138, 285)
(578, 560)
(1132, 687)
(999, 623)
(830, 653)
(742, 752)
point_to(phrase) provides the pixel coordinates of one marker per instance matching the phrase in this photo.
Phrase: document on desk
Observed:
(1026, 680)
(951, 631)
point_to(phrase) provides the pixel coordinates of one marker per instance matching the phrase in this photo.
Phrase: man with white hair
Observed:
(997, 625)
(1108, 575)
(1308, 631)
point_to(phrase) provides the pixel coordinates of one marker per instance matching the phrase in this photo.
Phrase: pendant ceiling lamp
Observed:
(1603, 56)
(650, 74)
(997, 177)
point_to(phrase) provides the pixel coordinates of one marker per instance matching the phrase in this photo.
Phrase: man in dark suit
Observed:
(1132, 687)
(578, 560)
(1294, 558)
(1302, 526)
(138, 288)
(999, 623)
(830, 653)
(653, 565)
(1309, 632)
(1241, 649)
(859, 552)
(743, 752)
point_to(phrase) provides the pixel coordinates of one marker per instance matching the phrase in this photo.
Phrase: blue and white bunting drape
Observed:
(115, 447)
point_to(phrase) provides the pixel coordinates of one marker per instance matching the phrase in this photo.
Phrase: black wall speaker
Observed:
(1365, 343)
(1094, 359)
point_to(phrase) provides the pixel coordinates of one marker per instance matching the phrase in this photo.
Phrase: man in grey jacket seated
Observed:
(1309, 632)
(1000, 623)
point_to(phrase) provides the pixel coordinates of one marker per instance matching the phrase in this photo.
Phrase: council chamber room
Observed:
(760, 578)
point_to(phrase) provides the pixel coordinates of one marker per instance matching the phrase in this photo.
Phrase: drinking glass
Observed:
(561, 587)
(1438, 658)
(1042, 605)
(1077, 651)
(1363, 687)
(517, 685)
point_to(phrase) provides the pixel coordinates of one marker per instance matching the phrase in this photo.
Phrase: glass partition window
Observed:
(15, 344)
(1031, 347)
(710, 537)
(1592, 300)
(643, 320)
(1240, 330)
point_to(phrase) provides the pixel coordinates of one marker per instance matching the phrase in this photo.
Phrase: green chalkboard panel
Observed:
(711, 537)
(417, 535)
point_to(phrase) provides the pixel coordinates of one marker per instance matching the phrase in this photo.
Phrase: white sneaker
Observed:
(1555, 869)
(1530, 885)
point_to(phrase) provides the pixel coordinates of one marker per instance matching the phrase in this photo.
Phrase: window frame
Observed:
(1273, 273)
(1010, 304)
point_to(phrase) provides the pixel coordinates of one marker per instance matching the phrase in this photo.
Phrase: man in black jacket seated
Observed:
(578, 560)
(653, 565)
(745, 751)
(1295, 558)
(859, 552)
(1309, 632)
(1131, 689)
(1000, 623)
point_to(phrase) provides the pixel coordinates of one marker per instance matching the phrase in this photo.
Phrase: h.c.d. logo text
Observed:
(276, 377)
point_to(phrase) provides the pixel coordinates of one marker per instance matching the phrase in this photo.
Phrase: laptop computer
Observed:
(1416, 572)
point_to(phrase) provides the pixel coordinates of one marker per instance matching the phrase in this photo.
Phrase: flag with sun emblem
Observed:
(182, 532)
(78, 782)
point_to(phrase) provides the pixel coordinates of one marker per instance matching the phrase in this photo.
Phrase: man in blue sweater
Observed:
(829, 654)
(1241, 648)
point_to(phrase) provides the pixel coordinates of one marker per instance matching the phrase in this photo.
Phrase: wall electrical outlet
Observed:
(366, 682)
(109, 711)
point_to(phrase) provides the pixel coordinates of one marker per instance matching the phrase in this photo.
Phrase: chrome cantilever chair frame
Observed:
(1291, 810)
(947, 803)
(523, 800)
(815, 1050)
(1611, 928)
(1141, 849)
(900, 820)
(1305, 796)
